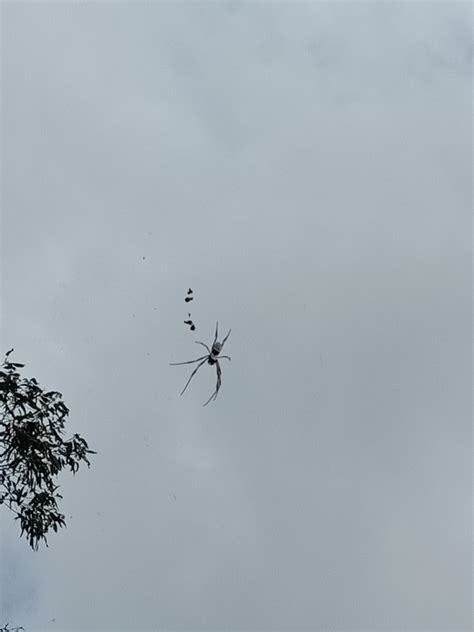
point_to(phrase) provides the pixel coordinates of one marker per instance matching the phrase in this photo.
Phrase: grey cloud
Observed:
(306, 169)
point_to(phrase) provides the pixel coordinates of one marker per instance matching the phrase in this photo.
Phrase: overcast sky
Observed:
(306, 169)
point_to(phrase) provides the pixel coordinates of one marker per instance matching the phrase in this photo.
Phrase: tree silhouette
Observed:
(33, 452)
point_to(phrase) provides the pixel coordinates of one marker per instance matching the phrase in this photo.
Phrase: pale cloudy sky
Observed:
(306, 169)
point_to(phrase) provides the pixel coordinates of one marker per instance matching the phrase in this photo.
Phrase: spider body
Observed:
(212, 358)
(216, 349)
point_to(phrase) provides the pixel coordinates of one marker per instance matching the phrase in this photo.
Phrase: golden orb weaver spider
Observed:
(211, 358)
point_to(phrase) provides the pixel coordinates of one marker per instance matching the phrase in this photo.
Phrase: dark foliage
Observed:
(33, 452)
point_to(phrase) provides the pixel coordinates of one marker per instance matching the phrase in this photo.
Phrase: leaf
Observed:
(33, 452)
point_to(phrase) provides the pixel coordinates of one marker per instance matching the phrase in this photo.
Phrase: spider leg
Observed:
(201, 343)
(190, 361)
(192, 374)
(227, 357)
(218, 385)
(226, 337)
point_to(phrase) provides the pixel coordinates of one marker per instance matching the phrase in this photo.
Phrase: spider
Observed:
(211, 358)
